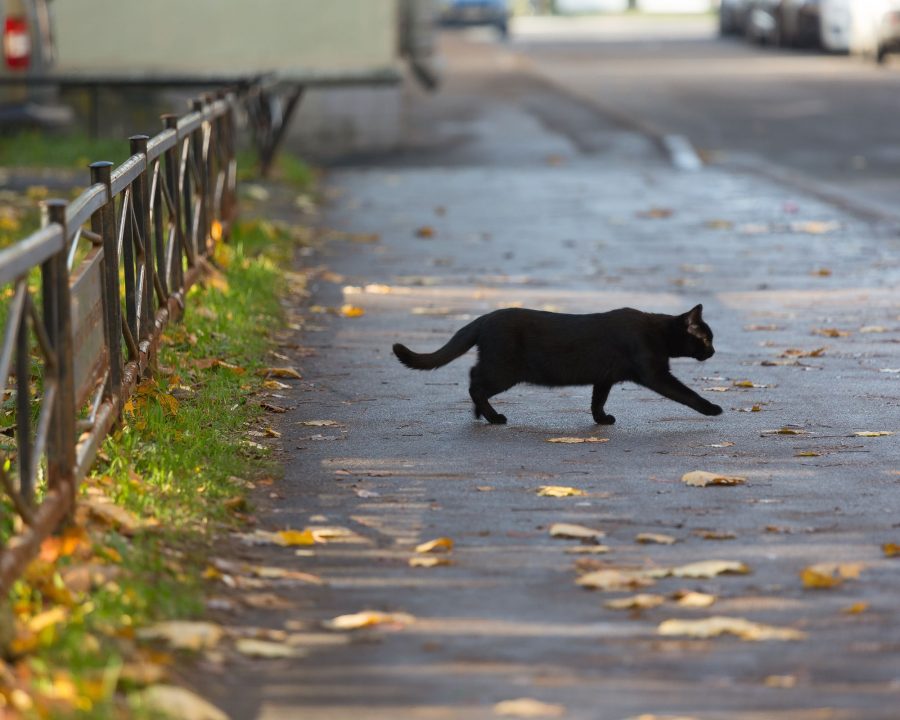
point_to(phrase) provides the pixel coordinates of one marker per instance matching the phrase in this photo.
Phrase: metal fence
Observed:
(87, 298)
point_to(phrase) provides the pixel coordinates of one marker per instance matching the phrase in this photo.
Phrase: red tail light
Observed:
(16, 43)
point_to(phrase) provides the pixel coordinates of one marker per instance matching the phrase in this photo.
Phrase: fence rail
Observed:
(88, 296)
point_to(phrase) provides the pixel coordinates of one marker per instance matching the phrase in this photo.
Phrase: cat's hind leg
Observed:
(598, 400)
(481, 388)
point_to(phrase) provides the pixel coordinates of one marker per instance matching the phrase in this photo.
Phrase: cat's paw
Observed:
(712, 410)
(605, 419)
(497, 420)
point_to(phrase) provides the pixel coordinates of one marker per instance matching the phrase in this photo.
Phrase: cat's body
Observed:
(554, 349)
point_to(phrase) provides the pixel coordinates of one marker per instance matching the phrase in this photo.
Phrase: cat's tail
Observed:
(459, 344)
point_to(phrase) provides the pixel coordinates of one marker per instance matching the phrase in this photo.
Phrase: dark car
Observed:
(800, 23)
(463, 13)
(733, 16)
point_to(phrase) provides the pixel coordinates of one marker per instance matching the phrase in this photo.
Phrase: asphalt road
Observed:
(532, 197)
(830, 117)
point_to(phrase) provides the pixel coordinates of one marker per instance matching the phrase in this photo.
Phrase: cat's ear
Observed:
(694, 315)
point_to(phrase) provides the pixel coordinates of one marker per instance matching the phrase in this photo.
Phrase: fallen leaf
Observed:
(702, 478)
(856, 608)
(273, 408)
(831, 332)
(425, 232)
(780, 681)
(757, 328)
(718, 625)
(797, 353)
(815, 227)
(320, 423)
(615, 580)
(528, 708)
(429, 561)
(558, 491)
(890, 549)
(807, 453)
(176, 702)
(641, 601)
(709, 569)
(367, 618)
(574, 440)
(647, 538)
(716, 534)
(692, 599)
(719, 224)
(873, 433)
(656, 213)
(828, 575)
(266, 649)
(184, 634)
(352, 311)
(725, 444)
(873, 329)
(785, 431)
(290, 538)
(281, 372)
(748, 384)
(106, 511)
(587, 550)
(441, 544)
(717, 388)
(575, 532)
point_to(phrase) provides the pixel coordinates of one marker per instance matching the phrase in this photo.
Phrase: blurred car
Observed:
(732, 17)
(799, 23)
(28, 49)
(465, 13)
(761, 25)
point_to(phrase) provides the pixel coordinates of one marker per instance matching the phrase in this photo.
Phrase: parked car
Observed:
(733, 17)
(761, 25)
(800, 23)
(28, 49)
(462, 13)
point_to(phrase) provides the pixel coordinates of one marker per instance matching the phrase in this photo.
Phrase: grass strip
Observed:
(168, 482)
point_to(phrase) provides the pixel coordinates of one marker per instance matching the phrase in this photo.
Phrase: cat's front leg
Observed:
(598, 400)
(671, 387)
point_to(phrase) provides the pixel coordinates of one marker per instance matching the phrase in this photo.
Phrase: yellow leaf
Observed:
(856, 608)
(426, 232)
(587, 550)
(528, 708)
(831, 332)
(558, 491)
(275, 385)
(716, 534)
(615, 580)
(107, 512)
(691, 599)
(828, 575)
(368, 618)
(352, 311)
(429, 561)
(647, 538)
(709, 569)
(574, 440)
(575, 532)
(873, 329)
(807, 453)
(873, 433)
(441, 544)
(718, 625)
(46, 619)
(290, 538)
(641, 601)
(702, 478)
(891, 549)
(215, 230)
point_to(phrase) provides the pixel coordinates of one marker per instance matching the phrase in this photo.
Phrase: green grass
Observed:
(32, 148)
(180, 462)
(287, 168)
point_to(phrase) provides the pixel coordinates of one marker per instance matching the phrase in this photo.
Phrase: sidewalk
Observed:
(517, 208)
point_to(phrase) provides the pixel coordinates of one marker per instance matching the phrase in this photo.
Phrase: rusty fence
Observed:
(86, 299)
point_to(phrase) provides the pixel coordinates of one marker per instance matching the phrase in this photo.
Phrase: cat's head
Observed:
(696, 337)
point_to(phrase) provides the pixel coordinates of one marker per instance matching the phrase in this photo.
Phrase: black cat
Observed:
(552, 349)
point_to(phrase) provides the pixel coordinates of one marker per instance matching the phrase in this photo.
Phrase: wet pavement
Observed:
(513, 194)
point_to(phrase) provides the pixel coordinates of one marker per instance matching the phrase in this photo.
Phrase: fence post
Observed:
(172, 171)
(58, 318)
(141, 198)
(104, 223)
